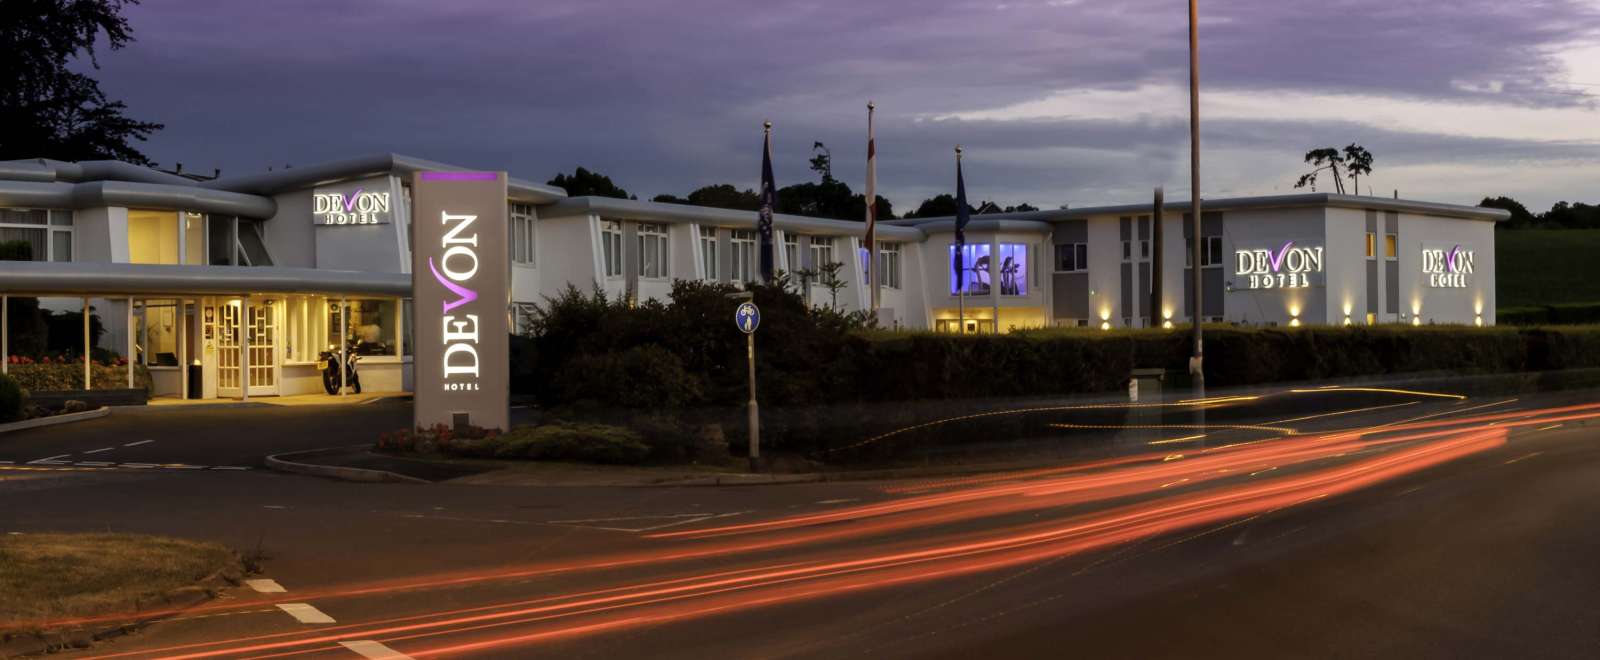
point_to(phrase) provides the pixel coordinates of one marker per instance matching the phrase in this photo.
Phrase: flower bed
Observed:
(50, 374)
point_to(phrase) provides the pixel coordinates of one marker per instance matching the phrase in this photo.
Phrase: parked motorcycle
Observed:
(330, 371)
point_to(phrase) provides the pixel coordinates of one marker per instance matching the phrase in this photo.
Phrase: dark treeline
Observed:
(1562, 215)
(826, 197)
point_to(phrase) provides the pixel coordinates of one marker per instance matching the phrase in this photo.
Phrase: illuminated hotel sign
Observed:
(459, 282)
(357, 206)
(1289, 266)
(1448, 268)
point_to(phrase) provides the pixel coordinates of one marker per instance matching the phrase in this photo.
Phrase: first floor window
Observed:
(1013, 274)
(370, 326)
(611, 247)
(1210, 252)
(744, 255)
(522, 218)
(157, 339)
(969, 270)
(1072, 257)
(708, 251)
(35, 235)
(889, 263)
(791, 251)
(1372, 245)
(821, 251)
(652, 251)
(1391, 246)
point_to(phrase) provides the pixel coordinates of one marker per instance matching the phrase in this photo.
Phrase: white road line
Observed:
(141, 442)
(49, 460)
(96, 451)
(6, 463)
(305, 613)
(280, 506)
(266, 586)
(374, 650)
(181, 466)
(1523, 457)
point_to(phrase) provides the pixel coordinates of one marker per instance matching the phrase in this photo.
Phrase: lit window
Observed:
(708, 251)
(522, 245)
(1013, 269)
(972, 267)
(744, 255)
(1391, 244)
(652, 251)
(611, 247)
(371, 326)
(1372, 245)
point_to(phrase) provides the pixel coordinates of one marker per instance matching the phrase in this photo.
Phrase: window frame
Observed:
(611, 249)
(708, 251)
(653, 240)
(742, 252)
(889, 263)
(1079, 253)
(522, 227)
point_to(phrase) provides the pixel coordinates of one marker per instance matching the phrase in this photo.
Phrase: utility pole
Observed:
(1196, 361)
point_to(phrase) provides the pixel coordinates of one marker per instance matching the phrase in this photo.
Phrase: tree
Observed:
(1326, 158)
(938, 206)
(50, 111)
(1357, 161)
(584, 183)
(1520, 216)
(829, 272)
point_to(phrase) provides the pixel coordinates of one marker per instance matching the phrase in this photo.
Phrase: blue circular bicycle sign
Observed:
(747, 317)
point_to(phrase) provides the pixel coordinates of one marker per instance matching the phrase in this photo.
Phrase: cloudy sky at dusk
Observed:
(1057, 102)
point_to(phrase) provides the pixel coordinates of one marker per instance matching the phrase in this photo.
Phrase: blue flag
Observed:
(960, 262)
(769, 201)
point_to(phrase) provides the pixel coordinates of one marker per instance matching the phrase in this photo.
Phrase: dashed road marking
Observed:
(674, 520)
(49, 460)
(139, 465)
(273, 506)
(95, 463)
(1261, 471)
(141, 442)
(1547, 428)
(266, 586)
(1523, 457)
(305, 613)
(374, 650)
(838, 501)
(96, 451)
(1408, 491)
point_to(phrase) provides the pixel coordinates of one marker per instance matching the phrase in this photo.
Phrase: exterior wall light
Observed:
(1478, 320)
(1167, 324)
(1105, 325)
(1416, 320)
(1347, 319)
(1294, 322)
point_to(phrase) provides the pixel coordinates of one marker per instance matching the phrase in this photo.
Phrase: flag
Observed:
(961, 227)
(769, 200)
(872, 205)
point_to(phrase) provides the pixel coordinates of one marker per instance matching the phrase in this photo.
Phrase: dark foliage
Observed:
(584, 183)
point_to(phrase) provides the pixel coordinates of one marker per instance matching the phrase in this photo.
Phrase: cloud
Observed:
(1064, 101)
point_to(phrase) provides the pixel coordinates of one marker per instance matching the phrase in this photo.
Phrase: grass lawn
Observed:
(53, 576)
(1546, 267)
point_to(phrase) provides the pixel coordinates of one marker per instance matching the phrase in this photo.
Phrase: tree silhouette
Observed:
(1322, 159)
(584, 183)
(1357, 161)
(46, 109)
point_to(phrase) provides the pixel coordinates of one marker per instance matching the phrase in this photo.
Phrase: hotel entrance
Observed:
(246, 333)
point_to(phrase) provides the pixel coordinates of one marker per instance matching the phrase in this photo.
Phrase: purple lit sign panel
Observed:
(460, 283)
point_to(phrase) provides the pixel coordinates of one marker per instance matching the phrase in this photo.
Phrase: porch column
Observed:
(129, 354)
(244, 348)
(344, 343)
(183, 351)
(88, 382)
(5, 334)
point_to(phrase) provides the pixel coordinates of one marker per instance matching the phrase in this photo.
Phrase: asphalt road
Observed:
(1441, 529)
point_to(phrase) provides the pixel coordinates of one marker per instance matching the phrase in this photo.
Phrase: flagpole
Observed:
(961, 256)
(872, 215)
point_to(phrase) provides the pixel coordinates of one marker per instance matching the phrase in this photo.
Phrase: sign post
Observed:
(461, 291)
(748, 318)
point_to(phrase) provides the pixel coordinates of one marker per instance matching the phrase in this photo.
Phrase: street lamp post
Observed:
(1196, 361)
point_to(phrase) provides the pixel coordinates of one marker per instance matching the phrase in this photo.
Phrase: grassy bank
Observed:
(1537, 267)
(47, 577)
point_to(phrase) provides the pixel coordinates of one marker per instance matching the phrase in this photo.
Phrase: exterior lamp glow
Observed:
(1294, 322)
(1166, 318)
(1478, 320)
(1105, 325)
(1416, 320)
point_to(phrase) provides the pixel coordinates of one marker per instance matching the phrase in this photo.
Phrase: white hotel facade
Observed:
(245, 275)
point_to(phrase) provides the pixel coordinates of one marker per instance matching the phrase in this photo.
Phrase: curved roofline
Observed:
(113, 279)
(47, 170)
(309, 176)
(984, 223)
(1241, 203)
(632, 209)
(94, 194)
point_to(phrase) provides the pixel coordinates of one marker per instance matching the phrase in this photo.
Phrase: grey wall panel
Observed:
(1070, 295)
(1072, 231)
(1124, 231)
(724, 255)
(1372, 286)
(630, 258)
(1392, 283)
(1391, 222)
(1127, 289)
(1212, 281)
(1144, 290)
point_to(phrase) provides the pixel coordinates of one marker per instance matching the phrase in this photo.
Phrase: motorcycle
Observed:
(330, 371)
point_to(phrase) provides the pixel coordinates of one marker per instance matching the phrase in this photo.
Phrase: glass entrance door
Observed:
(262, 330)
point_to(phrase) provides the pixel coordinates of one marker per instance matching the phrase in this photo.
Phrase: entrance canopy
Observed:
(113, 279)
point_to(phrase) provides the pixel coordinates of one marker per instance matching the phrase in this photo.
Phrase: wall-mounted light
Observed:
(1105, 325)
(1347, 319)
(1294, 322)
(1416, 320)
(1167, 324)
(1478, 320)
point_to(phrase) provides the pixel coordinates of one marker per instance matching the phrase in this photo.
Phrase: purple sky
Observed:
(1066, 101)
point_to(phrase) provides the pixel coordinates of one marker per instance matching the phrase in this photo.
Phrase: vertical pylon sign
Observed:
(461, 298)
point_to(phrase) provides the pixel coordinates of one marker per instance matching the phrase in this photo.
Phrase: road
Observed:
(1447, 528)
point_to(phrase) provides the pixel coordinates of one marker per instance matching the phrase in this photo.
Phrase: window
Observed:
(744, 255)
(1391, 244)
(252, 244)
(972, 268)
(1144, 249)
(157, 338)
(1127, 250)
(791, 251)
(889, 263)
(1072, 257)
(371, 327)
(652, 251)
(611, 247)
(302, 328)
(708, 251)
(152, 237)
(522, 216)
(821, 252)
(1210, 252)
(35, 235)
(1013, 269)
(1372, 245)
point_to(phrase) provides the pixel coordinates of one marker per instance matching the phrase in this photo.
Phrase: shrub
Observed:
(646, 376)
(564, 441)
(12, 398)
